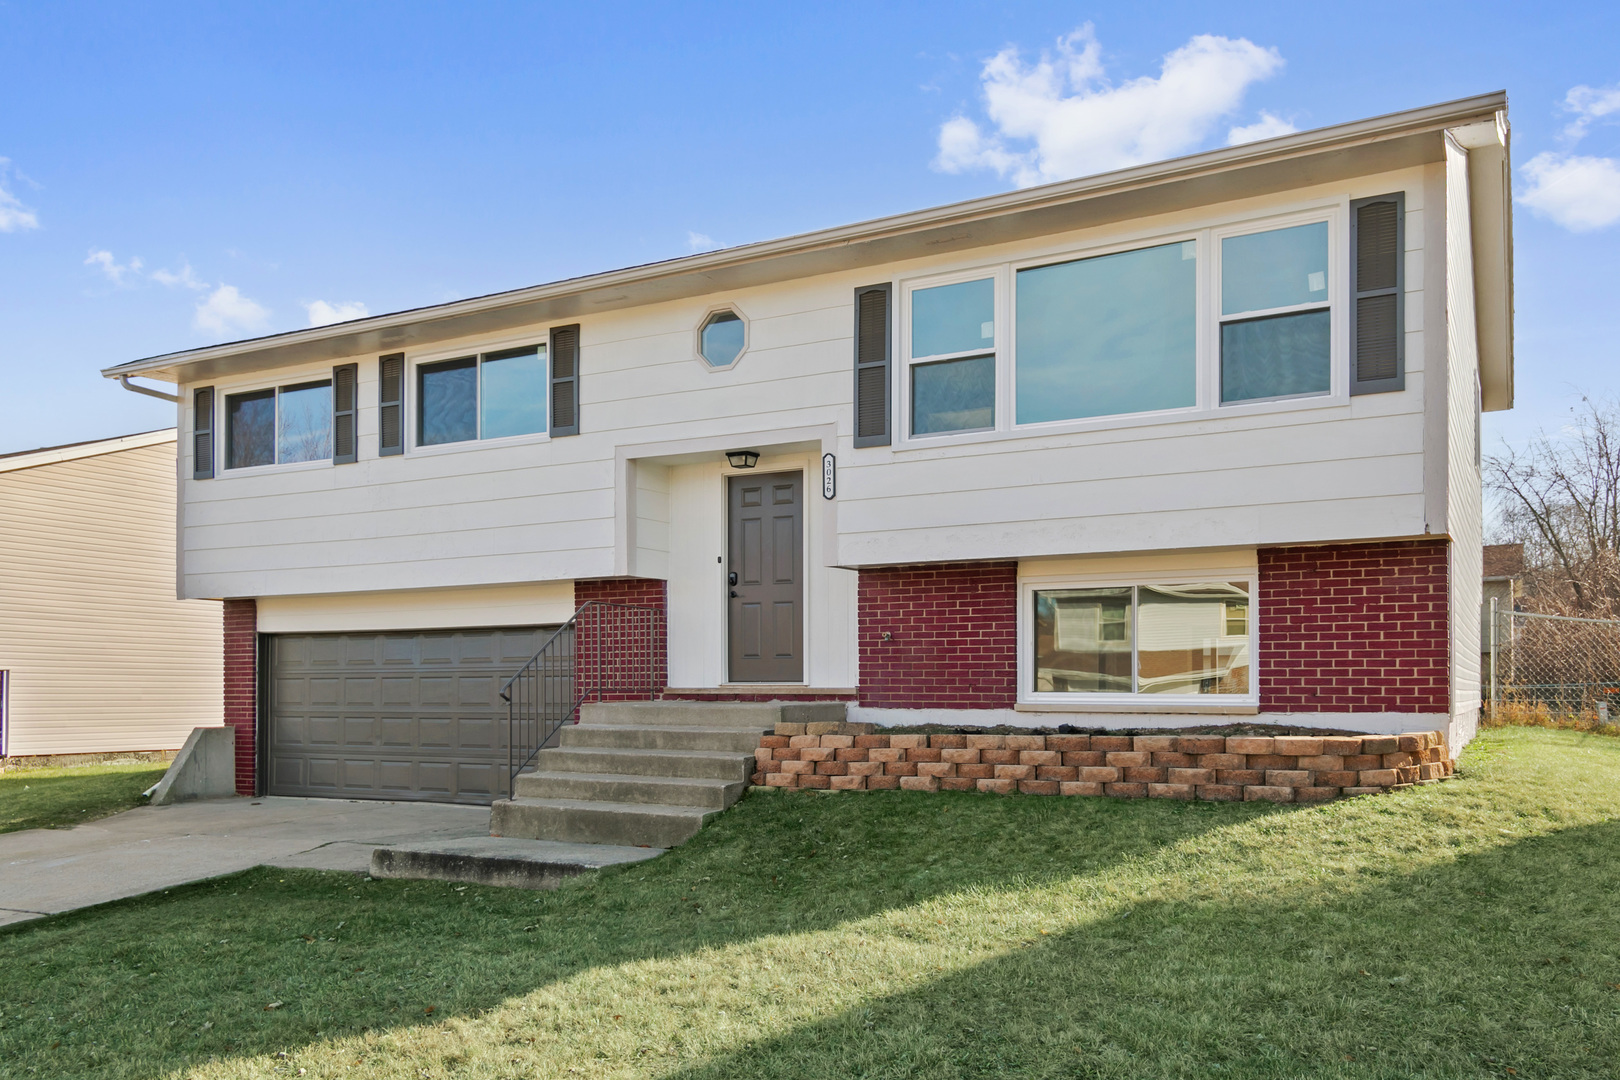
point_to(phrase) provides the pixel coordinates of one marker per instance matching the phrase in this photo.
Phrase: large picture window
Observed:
(1230, 315)
(1182, 640)
(279, 425)
(481, 397)
(1109, 335)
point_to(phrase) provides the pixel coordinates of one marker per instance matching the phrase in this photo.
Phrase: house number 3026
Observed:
(829, 476)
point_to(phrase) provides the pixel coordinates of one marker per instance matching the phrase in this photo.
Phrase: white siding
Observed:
(101, 654)
(418, 609)
(1464, 511)
(531, 510)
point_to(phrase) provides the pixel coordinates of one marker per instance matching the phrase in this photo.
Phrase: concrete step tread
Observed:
(614, 808)
(646, 752)
(629, 778)
(678, 729)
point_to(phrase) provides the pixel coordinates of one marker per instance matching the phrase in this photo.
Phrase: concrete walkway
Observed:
(46, 871)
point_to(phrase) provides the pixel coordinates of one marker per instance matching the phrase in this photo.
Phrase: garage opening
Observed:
(400, 715)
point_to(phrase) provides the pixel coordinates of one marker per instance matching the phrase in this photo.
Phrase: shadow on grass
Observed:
(1504, 962)
(172, 979)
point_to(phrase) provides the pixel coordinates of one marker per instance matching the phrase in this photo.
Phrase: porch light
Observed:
(742, 459)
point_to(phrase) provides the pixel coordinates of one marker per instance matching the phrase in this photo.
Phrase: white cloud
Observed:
(184, 277)
(14, 216)
(225, 309)
(696, 241)
(1267, 127)
(323, 314)
(1061, 117)
(1589, 103)
(114, 271)
(1579, 193)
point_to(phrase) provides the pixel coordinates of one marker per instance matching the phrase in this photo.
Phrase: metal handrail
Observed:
(618, 656)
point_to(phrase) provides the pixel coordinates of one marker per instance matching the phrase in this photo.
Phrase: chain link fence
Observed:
(1551, 668)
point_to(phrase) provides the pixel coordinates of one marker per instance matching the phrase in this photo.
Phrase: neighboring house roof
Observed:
(1504, 560)
(49, 455)
(1399, 140)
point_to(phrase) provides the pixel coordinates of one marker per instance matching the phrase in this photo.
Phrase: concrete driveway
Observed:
(46, 871)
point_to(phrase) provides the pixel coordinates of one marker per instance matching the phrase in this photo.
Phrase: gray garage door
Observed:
(393, 715)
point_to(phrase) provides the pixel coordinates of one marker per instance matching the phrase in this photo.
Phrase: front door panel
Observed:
(767, 559)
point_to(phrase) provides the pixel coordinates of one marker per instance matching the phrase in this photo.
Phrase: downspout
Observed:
(123, 380)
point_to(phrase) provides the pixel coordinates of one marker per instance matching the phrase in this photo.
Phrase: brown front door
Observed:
(767, 578)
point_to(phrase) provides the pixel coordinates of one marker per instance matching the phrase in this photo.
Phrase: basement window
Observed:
(1171, 640)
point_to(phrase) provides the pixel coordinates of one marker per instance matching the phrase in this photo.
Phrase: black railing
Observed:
(603, 652)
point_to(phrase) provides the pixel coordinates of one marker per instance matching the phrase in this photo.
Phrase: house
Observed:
(96, 654)
(1192, 442)
(1503, 573)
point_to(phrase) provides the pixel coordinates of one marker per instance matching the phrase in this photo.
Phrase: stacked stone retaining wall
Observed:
(1220, 768)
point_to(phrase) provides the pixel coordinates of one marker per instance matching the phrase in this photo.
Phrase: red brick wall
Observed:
(628, 650)
(1355, 628)
(242, 687)
(953, 636)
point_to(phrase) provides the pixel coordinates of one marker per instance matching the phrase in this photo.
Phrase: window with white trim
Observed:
(1236, 315)
(1098, 642)
(1276, 317)
(950, 367)
(490, 396)
(279, 425)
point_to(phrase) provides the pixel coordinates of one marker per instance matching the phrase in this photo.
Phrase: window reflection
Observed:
(250, 429)
(448, 397)
(304, 427)
(1150, 639)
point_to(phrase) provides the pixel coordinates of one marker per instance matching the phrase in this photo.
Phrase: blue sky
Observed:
(270, 165)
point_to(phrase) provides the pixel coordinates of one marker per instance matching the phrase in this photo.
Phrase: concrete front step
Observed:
(680, 737)
(491, 860)
(747, 715)
(581, 821)
(618, 788)
(697, 764)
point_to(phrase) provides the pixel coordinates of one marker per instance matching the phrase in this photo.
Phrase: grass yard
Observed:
(58, 798)
(1466, 929)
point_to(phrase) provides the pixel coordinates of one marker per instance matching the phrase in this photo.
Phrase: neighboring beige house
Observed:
(96, 653)
(1504, 567)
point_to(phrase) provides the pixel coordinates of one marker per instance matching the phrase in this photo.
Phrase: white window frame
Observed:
(998, 350)
(1207, 236)
(413, 398)
(1102, 701)
(1336, 304)
(222, 424)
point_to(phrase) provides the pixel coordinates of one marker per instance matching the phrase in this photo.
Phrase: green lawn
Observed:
(1465, 929)
(58, 798)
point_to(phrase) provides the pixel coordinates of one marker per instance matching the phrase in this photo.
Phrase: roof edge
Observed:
(51, 455)
(1299, 144)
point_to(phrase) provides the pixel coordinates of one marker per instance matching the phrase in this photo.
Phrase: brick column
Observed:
(626, 648)
(939, 636)
(242, 688)
(1348, 628)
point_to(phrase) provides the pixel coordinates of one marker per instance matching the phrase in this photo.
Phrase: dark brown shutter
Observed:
(344, 391)
(202, 433)
(872, 337)
(391, 405)
(564, 351)
(1377, 307)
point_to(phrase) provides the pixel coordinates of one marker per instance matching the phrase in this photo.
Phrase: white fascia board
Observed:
(55, 454)
(1379, 144)
(1490, 198)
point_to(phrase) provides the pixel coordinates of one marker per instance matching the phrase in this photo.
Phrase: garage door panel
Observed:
(394, 715)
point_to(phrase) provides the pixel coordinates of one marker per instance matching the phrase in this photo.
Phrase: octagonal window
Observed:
(722, 338)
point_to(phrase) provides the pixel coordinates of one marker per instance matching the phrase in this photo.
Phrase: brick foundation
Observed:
(1355, 628)
(242, 688)
(629, 649)
(1215, 768)
(952, 636)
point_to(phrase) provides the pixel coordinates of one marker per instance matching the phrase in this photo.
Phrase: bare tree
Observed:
(1560, 497)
